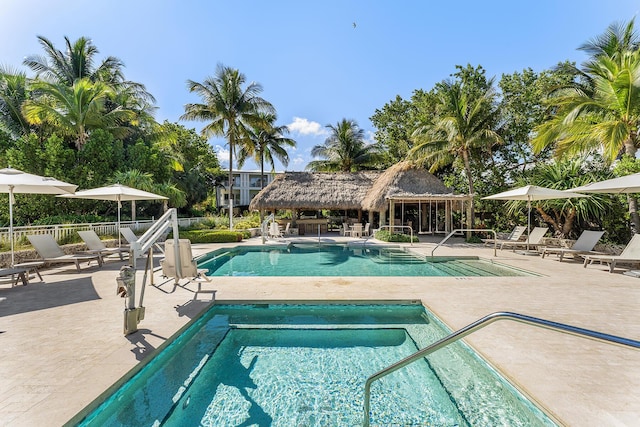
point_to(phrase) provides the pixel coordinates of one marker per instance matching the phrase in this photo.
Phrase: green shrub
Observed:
(386, 236)
(212, 236)
(474, 239)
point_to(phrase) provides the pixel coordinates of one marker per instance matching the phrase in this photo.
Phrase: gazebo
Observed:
(405, 194)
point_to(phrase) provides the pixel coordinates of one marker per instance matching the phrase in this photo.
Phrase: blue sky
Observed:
(315, 66)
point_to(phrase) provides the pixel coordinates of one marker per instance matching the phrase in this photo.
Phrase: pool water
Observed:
(306, 365)
(341, 260)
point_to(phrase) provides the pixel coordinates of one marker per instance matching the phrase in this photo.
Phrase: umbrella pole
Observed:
(118, 230)
(528, 221)
(11, 224)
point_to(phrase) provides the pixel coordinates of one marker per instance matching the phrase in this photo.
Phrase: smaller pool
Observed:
(306, 365)
(342, 260)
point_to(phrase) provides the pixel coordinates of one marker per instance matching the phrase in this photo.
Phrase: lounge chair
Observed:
(131, 237)
(515, 236)
(630, 255)
(188, 267)
(50, 251)
(583, 246)
(96, 246)
(534, 239)
(16, 274)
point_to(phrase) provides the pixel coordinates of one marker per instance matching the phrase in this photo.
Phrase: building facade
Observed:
(246, 184)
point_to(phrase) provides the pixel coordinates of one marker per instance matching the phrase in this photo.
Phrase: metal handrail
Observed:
(495, 238)
(479, 324)
(391, 227)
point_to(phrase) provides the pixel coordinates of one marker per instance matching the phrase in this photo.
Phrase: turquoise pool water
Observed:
(340, 260)
(305, 365)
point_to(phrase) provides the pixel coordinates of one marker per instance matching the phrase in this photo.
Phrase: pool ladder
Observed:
(479, 324)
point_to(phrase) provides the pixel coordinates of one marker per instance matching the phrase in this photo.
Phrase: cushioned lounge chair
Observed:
(131, 237)
(533, 241)
(515, 236)
(583, 246)
(630, 255)
(50, 251)
(96, 246)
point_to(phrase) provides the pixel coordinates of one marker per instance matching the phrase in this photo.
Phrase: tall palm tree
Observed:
(605, 114)
(267, 141)
(462, 129)
(229, 108)
(344, 150)
(76, 109)
(175, 196)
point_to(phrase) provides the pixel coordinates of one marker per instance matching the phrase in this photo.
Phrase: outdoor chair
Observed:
(50, 251)
(366, 231)
(96, 246)
(533, 241)
(274, 230)
(131, 237)
(345, 229)
(630, 255)
(188, 267)
(584, 245)
(515, 236)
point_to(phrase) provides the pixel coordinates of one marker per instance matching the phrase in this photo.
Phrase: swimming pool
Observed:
(344, 260)
(305, 365)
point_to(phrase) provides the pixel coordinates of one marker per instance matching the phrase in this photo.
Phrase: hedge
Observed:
(386, 236)
(211, 236)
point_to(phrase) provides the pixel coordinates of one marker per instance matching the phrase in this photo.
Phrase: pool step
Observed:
(396, 255)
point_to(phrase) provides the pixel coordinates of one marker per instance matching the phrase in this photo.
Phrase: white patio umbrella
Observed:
(14, 181)
(624, 184)
(117, 193)
(533, 192)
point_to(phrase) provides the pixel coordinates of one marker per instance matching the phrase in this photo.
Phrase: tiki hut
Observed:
(315, 191)
(416, 190)
(428, 203)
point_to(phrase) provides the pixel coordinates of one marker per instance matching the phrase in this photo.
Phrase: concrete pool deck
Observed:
(61, 340)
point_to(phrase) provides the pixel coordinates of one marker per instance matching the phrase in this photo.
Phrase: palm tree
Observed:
(76, 109)
(267, 142)
(135, 179)
(175, 196)
(13, 92)
(344, 150)
(462, 129)
(605, 113)
(229, 108)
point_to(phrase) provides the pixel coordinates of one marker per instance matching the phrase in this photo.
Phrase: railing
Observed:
(60, 231)
(392, 227)
(495, 238)
(479, 324)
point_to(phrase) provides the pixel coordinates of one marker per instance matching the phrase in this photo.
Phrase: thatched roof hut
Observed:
(315, 190)
(366, 190)
(403, 181)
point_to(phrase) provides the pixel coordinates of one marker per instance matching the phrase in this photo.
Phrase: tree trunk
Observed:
(231, 182)
(630, 149)
(467, 168)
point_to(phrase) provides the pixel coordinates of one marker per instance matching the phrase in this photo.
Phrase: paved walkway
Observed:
(61, 340)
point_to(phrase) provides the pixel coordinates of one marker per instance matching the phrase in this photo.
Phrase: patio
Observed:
(61, 341)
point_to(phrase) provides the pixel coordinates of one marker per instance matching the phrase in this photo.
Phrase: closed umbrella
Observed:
(533, 192)
(115, 192)
(15, 181)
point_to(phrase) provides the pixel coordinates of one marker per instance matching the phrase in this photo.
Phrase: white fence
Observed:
(60, 231)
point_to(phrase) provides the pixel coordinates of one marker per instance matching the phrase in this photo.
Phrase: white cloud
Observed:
(305, 127)
(297, 161)
(369, 137)
(223, 155)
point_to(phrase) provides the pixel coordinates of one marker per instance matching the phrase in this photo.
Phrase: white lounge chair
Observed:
(131, 237)
(188, 267)
(96, 246)
(533, 241)
(630, 255)
(515, 236)
(50, 251)
(584, 245)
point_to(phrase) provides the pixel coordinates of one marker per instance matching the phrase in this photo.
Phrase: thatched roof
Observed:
(405, 181)
(370, 190)
(315, 190)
